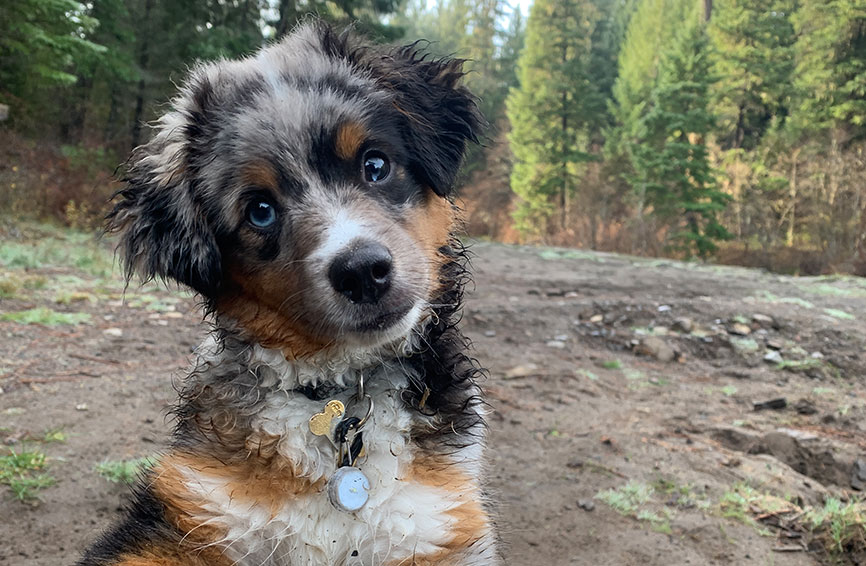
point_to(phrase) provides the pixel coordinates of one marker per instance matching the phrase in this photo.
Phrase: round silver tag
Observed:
(348, 489)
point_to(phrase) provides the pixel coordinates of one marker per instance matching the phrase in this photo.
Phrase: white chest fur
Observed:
(403, 518)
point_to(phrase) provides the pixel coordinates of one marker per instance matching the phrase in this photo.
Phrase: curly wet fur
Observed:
(243, 481)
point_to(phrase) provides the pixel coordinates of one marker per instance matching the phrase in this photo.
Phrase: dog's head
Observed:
(304, 191)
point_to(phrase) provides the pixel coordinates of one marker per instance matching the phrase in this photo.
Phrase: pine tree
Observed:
(671, 159)
(480, 48)
(41, 42)
(831, 67)
(752, 42)
(548, 112)
(651, 28)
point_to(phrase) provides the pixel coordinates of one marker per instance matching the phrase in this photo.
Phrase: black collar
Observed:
(320, 392)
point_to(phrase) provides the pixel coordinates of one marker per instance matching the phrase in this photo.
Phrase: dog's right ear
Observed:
(163, 231)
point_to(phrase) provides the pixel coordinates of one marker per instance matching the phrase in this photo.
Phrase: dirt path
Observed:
(623, 428)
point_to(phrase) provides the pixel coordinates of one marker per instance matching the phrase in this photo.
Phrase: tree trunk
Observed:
(792, 194)
(563, 223)
(288, 17)
(143, 61)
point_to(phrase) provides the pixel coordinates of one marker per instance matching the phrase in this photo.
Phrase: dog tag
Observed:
(320, 423)
(348, 489)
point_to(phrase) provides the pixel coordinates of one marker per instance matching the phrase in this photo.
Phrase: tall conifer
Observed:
(550, 111)
(670, 159)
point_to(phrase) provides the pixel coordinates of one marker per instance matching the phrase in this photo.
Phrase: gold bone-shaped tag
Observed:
(320, 423)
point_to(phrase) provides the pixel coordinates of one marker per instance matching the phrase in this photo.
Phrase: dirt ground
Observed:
(623, 390)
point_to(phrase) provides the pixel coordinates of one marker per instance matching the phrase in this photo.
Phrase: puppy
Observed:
(333, 417)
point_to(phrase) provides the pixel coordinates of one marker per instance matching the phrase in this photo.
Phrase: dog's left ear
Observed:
(440, 114)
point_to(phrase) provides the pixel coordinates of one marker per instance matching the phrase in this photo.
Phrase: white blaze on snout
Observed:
(341, 231)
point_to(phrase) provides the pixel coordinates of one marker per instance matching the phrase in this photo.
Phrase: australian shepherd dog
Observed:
(333, 416)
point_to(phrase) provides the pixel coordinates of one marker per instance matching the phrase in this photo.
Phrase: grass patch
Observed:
(771, 298)
(24, 473)
(741, 500)
(55, 435)
(840, 314)
(828, 290)
(10, 286)
(70, 297)
(627, 499)
(49, 246)
(641, 501)
(124, 471)
(611, 364)
(46, 316)
(804, 365)
(633, 374)
(841, 527)
(587, 374)
(729, 390)
(838, 527)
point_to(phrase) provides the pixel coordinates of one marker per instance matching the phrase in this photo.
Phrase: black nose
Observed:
(363, 273)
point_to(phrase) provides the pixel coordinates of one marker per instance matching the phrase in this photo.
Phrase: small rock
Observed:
(571, 295)
(858, 474)
(805, 407)
(683, 324)
(81, 407)
(558, 344)
(561, 337)
(586, 504)
(113, 332)
(816, 356)
(774, 404)
(664, 308)
(173, 314)
(524, 370)
(490, 333)
(773, 357)
(775, 344)
(655, 347)
(763, 319)
(740, 329)
(596, 318)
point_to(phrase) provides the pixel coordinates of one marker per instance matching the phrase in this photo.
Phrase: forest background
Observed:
(732, 130)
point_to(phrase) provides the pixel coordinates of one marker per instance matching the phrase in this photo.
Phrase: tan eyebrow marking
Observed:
(260, 174)
(350, 136)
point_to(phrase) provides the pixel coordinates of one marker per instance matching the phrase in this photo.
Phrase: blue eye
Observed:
(261, 214)
(376, 166)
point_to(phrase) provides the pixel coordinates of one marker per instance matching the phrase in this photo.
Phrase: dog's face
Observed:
(303, 191)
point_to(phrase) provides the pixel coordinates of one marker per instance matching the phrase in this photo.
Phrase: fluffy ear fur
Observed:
(163, 232)
(441, 114)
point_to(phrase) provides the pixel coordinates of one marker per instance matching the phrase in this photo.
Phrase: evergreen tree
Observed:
(650, 30)
(752, 42)
(671, 160)
(549, 113)
(480, 49)
(41, 42)
(831, 67)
